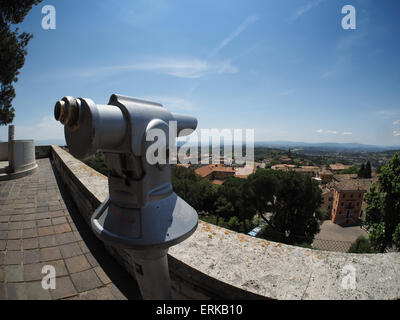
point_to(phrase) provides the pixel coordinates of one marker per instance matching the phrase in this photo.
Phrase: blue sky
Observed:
(287, 69)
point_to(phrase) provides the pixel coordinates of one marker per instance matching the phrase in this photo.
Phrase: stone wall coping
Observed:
(264, 268)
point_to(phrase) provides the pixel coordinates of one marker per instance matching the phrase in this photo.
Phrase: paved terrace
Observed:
(40, 226)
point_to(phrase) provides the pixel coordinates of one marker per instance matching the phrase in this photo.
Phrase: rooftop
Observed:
(338, 166)
(205, 171)
(345, 176)
(354, 184)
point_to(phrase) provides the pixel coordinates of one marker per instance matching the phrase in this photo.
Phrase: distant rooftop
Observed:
(345, 176)
(338, 166)
(354, 184)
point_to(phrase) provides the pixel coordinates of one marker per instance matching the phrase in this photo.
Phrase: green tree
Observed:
(361, 172)
(233, 200)
(361, 245)
(261, 187)
(396, 236)
(368, 170)
(383, 206)
(351, 170)
(198, 192)
(97, 163)
(291, 200)
(295, 205)
(12, 51)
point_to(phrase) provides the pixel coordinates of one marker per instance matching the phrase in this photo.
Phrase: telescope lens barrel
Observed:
(90, 126)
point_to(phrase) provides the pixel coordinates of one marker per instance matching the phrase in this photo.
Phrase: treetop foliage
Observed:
(286, 201)
(383, 207)
(12, 51)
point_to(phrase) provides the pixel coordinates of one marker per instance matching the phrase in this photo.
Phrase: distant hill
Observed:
(324, 146)
(328, 146)
(59, 142)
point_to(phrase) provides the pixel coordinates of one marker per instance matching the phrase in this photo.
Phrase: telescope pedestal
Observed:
(152, 275)
(146, 234)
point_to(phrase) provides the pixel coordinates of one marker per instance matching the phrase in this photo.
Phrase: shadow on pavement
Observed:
(119, 276)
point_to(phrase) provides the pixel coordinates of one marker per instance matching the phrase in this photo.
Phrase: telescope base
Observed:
(152, 275)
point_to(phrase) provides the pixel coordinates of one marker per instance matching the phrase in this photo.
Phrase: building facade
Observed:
(348, 198)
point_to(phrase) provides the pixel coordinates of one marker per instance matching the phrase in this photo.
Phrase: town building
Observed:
(334, 167)
(283, 167)
(215, 171)
(326, 176)
(345, 176)
(348, 197)
(312, 170)
(327, 200)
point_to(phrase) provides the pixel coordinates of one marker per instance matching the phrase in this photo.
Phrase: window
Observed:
(351, 196)
(344, 196)
(359, 195)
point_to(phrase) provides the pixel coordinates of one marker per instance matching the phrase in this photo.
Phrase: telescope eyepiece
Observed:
(67, 111)
(59, 110)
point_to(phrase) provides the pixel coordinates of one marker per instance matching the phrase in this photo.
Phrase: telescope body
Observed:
(142, 213)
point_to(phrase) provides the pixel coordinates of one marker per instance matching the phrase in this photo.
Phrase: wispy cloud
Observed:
(139, 13)
(181, 68)
(326, 131)
(344, 54)
(347, 133)
(287, 92)
(340, 65)
(46, 128)
(387, 113)
(350, 41)
(234, 34)
(396, 132)
(328, 74)
(304, 9)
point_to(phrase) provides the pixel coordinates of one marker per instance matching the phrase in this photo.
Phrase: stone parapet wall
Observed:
(217, 263)
(42, 152)
(3, 151)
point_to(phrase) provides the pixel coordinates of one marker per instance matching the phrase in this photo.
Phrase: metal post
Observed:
(152, 275)
(11, 148)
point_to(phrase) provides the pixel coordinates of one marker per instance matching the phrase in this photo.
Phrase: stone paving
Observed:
(39, 225)
(333, 237)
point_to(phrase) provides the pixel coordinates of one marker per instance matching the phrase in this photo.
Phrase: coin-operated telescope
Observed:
(142, 213)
